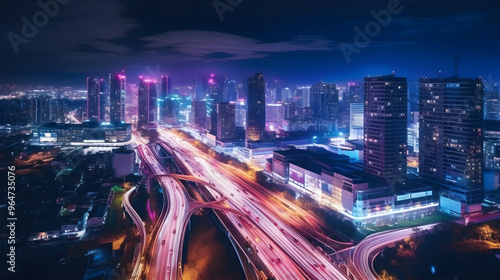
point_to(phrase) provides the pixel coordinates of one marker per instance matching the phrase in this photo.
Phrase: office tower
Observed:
(356, 123)
(170, 109)
(58, 109)
(229, 92)
(385, 99)
(492, 144)
(213, 88)
(166, 87)
(225, 121)
(324, 101)
(117, 93)
(147, 102)
(241, 93)
(353, 94)
(166, 105)
(104, 101)
(241, 113)
(451, 144)
(289, 110)
(256, 113)
(199, 113)
(40, 109)
(304, 95)
(491, 102)
(93, 99)
(275, 113)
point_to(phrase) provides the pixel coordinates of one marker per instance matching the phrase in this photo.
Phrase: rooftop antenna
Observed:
(456, 65)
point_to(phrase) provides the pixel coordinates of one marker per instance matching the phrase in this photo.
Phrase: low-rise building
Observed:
(342, 185)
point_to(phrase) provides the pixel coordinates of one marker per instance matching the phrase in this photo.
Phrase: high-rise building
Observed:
(356, 121)
(325, 101)
(41, 109)
(256, 113)
(492, 144)
(117, 93)
(451, 142)
(289, 110)
(353, 94)
(229, 92)
(491, 102)
(304, 94)
(225, 121)
(147, 102)
(275, 113)
(166, 87)
(212, 91)
(199, 113)
(241, 113)
(385, 125)
(93, 99)
(104, 101)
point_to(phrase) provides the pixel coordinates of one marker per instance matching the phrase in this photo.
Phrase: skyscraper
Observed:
(117, 92)
(93, 99)
(256, 113)
(147, 107)
(229, 92)
(199, 113)
(166, 87)
(451, 144)
(491, 102)
(353, 94)
(356, 121)
(41, 109)
(385, 125)
(168, 105)
(225, 121)
(324, 101)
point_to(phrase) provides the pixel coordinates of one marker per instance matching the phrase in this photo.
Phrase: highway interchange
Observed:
(275, 232)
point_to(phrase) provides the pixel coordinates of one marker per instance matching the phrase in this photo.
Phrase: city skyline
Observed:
(250, 139)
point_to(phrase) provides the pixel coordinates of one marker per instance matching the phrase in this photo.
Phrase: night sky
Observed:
(292, 40)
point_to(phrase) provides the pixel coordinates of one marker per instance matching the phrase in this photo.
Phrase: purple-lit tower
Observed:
(117, 91)
(147, 99)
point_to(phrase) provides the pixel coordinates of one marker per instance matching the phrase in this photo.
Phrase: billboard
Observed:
(297, 177)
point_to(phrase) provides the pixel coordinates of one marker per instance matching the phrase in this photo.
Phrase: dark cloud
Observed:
(294, 39)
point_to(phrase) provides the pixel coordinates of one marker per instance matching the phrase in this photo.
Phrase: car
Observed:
(168, 269)
(174, 231)
(171, 251)
(270, 246)
(163, 242)
(239, 224)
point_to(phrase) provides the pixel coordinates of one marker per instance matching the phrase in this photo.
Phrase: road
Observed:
(284, 251)
(142, 231)
(167, 246)
(365, 252)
